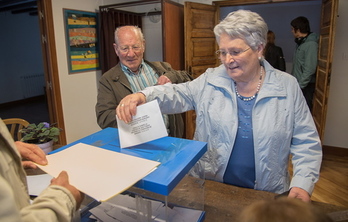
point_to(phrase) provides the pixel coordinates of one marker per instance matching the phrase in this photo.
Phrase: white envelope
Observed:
(147, 125)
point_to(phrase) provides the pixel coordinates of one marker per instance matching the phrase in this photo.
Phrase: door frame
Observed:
(49, 54)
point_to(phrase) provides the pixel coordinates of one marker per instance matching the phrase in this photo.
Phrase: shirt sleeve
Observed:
(305, 148)
(55, 203)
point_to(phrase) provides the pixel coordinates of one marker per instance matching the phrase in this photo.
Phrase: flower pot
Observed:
(46, 147)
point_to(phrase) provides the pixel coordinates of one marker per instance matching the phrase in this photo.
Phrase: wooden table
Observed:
(223, 202)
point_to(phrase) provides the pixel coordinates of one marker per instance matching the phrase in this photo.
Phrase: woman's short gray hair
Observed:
(245, 25)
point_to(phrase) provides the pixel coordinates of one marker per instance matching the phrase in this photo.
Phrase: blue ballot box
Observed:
(177, 157)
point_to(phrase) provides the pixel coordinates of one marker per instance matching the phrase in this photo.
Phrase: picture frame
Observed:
(81, 33)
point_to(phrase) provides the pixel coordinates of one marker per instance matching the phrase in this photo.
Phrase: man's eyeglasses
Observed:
(233, 53)
(125, 49)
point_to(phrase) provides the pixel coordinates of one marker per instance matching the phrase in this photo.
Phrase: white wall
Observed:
(78, 91)
(153, 40)
(336, 130)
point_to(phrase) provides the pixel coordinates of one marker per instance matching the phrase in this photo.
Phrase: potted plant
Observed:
(42, 134)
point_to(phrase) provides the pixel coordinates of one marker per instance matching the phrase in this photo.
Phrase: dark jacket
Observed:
(274, 55)
(305, 60)
(114, 86)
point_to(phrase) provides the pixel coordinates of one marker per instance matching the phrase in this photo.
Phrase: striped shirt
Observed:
(145, 77)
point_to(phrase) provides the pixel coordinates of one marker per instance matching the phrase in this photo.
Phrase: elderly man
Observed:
(133, 74)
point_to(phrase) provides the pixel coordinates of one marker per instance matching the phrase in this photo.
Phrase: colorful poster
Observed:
(81, 40)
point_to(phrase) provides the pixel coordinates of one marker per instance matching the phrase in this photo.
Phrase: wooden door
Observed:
(200, 46)
(326, 43)
(173, 34)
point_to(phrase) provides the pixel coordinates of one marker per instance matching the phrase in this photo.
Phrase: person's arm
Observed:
(310, 63)
(305, 149)
(173, 98)
(58, 202)
(178, 76)
(175, 76)
(281, 60)
(106, 105)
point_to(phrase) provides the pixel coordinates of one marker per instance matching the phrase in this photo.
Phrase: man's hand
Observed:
(299, 193)
(31, 153)
(163, 80)
(63, 180)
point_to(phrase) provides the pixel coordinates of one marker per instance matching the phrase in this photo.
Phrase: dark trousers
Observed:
(308, 93)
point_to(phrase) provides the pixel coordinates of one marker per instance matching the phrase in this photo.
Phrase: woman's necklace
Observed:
(257, 89)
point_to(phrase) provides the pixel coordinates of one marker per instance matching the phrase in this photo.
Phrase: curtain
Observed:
(110, 19)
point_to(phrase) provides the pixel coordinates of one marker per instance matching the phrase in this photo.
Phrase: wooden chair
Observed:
(14, 126)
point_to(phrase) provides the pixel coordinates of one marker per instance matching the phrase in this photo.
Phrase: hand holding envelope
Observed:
(146, 125)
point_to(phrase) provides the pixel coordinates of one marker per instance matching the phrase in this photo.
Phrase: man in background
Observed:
(133, 74)
(305, 57)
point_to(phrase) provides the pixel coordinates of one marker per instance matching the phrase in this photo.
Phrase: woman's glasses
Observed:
(233, 53)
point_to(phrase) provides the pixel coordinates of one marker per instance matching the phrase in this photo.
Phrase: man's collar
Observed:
(128, 70)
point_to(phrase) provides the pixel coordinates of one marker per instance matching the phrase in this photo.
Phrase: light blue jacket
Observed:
(282, 125)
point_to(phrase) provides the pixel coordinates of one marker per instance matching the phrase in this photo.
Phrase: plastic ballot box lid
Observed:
(177, 156)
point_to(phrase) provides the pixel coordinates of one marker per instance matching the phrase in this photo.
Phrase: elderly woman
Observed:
(251, 115)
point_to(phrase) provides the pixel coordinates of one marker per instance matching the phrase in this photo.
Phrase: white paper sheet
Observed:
(37, 183)
(146, 126)
(98, 172)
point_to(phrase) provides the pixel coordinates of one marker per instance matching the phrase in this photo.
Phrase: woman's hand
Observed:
(299, 193)
(31, 153)
(128, 106)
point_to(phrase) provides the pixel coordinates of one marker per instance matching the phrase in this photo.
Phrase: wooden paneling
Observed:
(326, 42)
(200, 46)
(173, 34)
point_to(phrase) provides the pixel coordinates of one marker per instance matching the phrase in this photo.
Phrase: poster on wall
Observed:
(81, 40)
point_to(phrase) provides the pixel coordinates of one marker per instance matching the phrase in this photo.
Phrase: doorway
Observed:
(22, 85)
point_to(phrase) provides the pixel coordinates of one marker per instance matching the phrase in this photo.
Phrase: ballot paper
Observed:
(147, 125)
(98, 172)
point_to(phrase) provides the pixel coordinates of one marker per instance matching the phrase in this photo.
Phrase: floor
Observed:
(33, 110)
(332, 186)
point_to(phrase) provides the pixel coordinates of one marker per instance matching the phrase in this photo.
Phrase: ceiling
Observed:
(19, 6)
